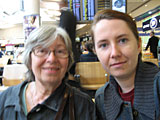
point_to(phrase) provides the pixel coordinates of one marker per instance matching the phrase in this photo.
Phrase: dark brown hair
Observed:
(112, 14)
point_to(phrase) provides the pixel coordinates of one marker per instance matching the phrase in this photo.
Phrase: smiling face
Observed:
(50, 69)
(116, 47)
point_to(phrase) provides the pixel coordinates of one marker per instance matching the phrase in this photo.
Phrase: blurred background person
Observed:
(153, 44)
(45, 95)
(68, 21)
(90, 56)
(1, 53)
(83, 48)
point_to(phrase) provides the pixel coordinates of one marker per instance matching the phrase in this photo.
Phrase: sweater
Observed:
(112, 107)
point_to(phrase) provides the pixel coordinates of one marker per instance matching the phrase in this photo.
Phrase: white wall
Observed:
(12, 34)
(15, 34)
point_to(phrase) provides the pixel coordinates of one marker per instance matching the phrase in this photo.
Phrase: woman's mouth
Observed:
(51, 70)
(118, 64)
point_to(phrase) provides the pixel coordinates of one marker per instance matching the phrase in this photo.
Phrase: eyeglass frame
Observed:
(49, 52)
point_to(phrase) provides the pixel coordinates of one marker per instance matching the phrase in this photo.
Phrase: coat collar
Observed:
(52, 102)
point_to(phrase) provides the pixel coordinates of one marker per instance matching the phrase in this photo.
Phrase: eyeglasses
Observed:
(44, 52)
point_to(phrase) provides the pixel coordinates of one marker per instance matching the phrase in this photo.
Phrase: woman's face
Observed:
(50, 69)
(116, 47)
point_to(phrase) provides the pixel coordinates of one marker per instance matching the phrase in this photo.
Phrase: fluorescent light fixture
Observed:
(150, 12)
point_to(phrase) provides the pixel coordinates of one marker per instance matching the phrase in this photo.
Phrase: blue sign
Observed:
(119, 5)
(151, 24)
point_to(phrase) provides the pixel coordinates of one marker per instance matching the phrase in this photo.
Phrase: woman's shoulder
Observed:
(8, 92)
(100, 91)
(84, 105)
(6, 97)
(11, 92)
(80, 95)
(149, 66)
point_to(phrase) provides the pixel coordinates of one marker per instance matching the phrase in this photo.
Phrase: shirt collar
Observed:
(54, 101)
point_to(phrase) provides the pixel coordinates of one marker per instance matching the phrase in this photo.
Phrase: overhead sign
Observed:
(151, 24)
(83, 9)
(119, 5)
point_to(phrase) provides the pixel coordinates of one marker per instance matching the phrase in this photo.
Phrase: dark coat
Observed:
(153, 43)
(68, 21)
(90, 57)
(11, 105)
(146, 96)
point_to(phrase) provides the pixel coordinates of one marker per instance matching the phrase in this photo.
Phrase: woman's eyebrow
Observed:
(122, 35)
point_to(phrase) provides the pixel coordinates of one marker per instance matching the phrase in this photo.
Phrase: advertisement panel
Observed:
(119, 5)
(30, 23)
(151, 24)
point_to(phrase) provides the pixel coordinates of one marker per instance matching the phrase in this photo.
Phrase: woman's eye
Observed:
(103, 45)
(124, 40)
(42, 51)
(61, 51)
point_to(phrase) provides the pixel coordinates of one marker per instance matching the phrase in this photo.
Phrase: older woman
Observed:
(133, 90)
(45, 94)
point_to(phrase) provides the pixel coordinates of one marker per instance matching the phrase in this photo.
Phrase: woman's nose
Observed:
(115, 51)
(52, 56)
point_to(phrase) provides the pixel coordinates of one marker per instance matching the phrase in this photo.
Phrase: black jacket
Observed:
(153, 43)
(90, 57)
(68, 21)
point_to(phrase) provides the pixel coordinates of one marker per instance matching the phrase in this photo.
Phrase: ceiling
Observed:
(138, 7)
(11, 14)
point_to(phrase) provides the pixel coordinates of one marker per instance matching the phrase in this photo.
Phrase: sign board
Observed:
(30, 23)
(151, 24)
(119, 5)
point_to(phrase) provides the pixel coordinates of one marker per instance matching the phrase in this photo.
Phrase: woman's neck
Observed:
(127, 83)
(37, 93)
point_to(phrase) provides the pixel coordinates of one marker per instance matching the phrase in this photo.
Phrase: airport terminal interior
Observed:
(16, 24)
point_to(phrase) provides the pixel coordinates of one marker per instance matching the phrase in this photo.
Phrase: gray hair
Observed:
(40, 37)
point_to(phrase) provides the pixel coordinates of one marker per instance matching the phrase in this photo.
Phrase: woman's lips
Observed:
(51, 69)
(117, 64)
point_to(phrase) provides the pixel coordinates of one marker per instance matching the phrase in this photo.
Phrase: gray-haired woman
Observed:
(45, 95)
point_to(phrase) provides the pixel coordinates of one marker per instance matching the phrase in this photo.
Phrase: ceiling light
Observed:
(150, 12)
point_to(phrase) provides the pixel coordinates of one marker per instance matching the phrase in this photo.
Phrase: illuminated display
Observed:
(119, 5)
(88, 9)
(85, 12)
(151, 24)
